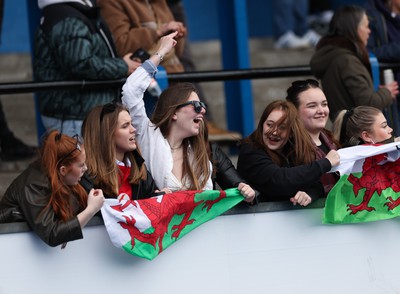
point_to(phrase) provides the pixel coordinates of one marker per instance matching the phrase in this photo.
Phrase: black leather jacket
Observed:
(26, 199)
(225, 173)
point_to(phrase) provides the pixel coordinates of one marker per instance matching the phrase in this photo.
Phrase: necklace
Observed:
(176, 148)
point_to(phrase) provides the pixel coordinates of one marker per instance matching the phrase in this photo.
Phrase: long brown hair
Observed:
(197, 172)
(344, 23)
(57, 150)
(299, 148)
(98, 130)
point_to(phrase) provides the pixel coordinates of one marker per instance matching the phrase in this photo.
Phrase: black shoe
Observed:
(14, 149)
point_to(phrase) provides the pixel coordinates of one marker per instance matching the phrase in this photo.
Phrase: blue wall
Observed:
(201, 15)
(15, 35)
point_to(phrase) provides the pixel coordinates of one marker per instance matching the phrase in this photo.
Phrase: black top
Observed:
(277, 183)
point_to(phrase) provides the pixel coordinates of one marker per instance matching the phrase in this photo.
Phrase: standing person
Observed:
(138, 24)
(313, 112)
(72, 43)
(291, 25)
(141, 24)
(384, 23)
(341, 62)
(11, 148)
(113, 158)
(48, 196)
(278, 158)
(384, 41)
(362, 125)
(173, 142)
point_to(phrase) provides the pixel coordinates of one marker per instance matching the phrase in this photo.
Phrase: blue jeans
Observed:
(290, 15)
(67, 127)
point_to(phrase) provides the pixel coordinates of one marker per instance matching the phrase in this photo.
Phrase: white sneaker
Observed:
(326, 16)
(290, 41)
(312, 37)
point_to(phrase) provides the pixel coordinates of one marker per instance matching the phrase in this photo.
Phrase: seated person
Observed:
(278, 158)
(313, 112)
(48, 196)
(362, 125)
(114, 161)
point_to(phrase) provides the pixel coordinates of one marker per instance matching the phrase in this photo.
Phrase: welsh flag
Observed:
(369, 185)
(147, 227)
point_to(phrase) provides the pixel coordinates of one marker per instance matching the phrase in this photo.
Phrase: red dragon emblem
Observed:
(376, 177)
(177, 203)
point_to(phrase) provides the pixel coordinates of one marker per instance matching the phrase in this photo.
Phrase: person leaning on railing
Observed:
(48, 195)
(278, 158)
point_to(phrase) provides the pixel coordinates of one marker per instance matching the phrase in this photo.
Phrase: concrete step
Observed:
(9, 171)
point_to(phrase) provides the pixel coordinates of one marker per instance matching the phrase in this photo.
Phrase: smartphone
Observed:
(159, 193)
(140, 54)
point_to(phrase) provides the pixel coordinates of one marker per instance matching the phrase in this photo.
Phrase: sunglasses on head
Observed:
(305, 83)
(107, 108)
(196, 104)
(77, 146)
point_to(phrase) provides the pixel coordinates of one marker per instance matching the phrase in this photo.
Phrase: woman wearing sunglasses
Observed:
(48, 196)
(113, 158)
(313, 111)
(173, 141)
(278, 158)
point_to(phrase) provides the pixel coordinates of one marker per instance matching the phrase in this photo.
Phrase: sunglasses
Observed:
(198, 106)
(107, 108)
(77, 147)
(305, 83)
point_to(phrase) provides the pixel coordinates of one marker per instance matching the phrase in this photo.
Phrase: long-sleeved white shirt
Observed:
(155, 148)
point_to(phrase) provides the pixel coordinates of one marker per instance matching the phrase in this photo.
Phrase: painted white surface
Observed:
(273, 252)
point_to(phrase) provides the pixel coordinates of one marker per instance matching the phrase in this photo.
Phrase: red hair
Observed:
(57, 150)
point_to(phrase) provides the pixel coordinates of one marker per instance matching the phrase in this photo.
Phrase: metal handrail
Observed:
(199, 76)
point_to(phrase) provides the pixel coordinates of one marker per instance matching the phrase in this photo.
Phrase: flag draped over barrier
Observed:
(146, 227)
(369, 185)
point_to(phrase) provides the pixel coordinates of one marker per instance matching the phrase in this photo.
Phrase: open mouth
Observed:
(197, 120)
(274, 138)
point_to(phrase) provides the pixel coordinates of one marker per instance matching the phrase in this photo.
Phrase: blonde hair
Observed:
(349, 124)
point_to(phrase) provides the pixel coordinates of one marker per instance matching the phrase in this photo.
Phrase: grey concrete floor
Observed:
(19, 108)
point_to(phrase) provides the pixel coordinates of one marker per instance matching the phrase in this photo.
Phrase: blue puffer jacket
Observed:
(72, 43)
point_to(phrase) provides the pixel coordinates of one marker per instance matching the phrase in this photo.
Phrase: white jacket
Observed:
(154, 147)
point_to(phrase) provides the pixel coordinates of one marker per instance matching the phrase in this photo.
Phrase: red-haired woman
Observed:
(48, 196)
(278, 158)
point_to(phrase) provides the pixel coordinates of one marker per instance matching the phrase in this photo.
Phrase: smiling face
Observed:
(363, 30)
(72, 174)
(275, 136)
(124, 135)
(187, 120)
(380, 131)
(313, 110)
